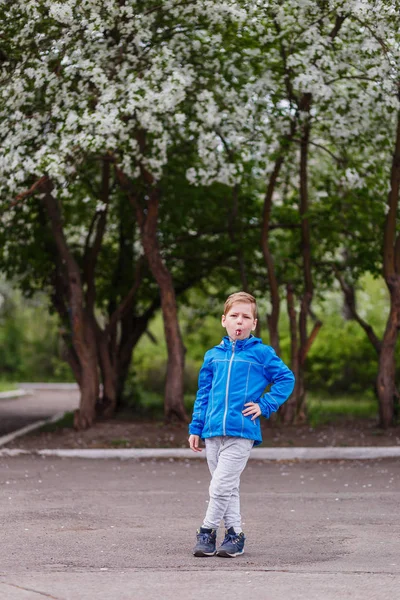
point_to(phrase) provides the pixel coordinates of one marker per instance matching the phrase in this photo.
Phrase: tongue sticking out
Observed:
(238, 331)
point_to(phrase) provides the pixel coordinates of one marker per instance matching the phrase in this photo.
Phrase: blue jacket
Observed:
(232, 374)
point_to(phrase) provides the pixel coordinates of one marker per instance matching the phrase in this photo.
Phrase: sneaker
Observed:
(206, 539)
(233, 544)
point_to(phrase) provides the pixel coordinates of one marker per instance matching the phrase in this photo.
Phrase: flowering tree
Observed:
(80, 84)
(373, 171)
(334, 90)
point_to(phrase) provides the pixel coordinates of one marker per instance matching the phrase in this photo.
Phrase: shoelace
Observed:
(205, 537)
(229, 537)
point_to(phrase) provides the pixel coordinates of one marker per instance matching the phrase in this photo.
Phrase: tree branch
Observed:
(350, 303)
(362, 77)
(340, 161)
(310, 340)
(287, 71)
(30, 191)
(389, 237)
(397, 254)
(89, 236)
(54, 213)
(126, 303)
(132, 197)
(93, 252)
(340, 19)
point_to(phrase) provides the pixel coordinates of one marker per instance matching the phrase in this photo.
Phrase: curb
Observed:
(9, 437)
(28, 385)
(14, 394)
(272, 454)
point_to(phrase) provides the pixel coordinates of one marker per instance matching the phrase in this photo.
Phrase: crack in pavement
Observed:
(20, 587)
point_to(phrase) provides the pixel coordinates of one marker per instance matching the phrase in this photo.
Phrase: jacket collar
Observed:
(227, 343)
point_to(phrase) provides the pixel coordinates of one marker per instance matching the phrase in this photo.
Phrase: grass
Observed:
(120, 443)
(323, 411)
(6, 386)
(151, 406)
(66, 422)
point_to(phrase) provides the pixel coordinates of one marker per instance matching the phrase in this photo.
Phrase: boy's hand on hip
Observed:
(194, 442)
(252, 409)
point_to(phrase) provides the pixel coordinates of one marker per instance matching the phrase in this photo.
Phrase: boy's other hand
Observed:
(194, 442)
(252, 409)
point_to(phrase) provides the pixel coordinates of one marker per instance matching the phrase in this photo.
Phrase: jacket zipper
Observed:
(227, 388)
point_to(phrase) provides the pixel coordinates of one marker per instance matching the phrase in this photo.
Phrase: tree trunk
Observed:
(306, 340)
(69, 355)
(303, 106)
(89, 387)
(237, 240)
(173, 398)
(288, 410)
(131, 330)
(147, 218)
(58, 299)
(173, 404)
(107, 403)
(89, 347)
(308, 290)
(86, 351)
(386, 380)
(83, 337)
(273, 317)
(113, 347)
(386, 384)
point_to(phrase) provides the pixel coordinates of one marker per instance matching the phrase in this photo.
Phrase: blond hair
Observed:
(240, 297)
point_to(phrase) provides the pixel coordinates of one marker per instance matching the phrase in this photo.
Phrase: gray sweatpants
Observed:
(226, 458)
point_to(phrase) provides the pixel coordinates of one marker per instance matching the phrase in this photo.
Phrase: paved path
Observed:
(75, 529)
(41, 403)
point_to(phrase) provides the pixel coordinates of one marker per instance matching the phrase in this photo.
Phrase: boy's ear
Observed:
(223, 319)
(255, 324)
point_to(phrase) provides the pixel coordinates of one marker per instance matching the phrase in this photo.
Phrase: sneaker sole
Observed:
(201, 553)
(226, 554)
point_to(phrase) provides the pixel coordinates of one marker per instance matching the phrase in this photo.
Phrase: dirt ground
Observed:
(118, 433)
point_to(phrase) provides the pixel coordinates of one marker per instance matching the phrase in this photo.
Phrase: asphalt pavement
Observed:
(40, 402)
(76, 529)
(112, 529)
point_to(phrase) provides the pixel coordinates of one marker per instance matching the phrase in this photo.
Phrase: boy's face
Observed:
(240, 321)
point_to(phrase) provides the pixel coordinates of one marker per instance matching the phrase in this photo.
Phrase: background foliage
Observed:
(263, 134)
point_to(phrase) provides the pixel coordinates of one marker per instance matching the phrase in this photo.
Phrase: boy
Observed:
(229, 401)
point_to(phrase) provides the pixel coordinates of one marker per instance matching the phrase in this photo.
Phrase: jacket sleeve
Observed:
(200, 406)
(282, 380)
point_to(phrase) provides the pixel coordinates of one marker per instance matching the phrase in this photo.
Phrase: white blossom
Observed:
(87, 77)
